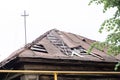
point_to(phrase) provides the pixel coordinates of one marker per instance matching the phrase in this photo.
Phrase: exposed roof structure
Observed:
(56, 44)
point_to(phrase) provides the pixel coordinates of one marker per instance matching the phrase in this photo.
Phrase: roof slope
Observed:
(56, 44)
(118, 57)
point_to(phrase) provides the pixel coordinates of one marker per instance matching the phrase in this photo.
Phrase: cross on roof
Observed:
(25, 15)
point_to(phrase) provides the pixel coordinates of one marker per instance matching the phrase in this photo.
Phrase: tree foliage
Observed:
(111, 25)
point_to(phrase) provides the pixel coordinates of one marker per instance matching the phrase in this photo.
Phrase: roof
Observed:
(118, 57)
(56, 44)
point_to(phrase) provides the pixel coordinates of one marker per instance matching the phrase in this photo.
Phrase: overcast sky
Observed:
(73, 16)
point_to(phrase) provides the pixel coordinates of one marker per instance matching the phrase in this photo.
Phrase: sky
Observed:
(73, 16)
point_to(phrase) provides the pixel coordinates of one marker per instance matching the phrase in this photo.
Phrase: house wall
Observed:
(64, 77)
(58, 65)
(67, 67)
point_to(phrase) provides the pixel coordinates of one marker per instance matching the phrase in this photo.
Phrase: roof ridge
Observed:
(39, 38)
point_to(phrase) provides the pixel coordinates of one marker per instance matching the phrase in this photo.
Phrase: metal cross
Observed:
(25, 15)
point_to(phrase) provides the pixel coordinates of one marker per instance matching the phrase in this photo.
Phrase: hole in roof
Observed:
(38, 48)
(80, 50)
(98, 56)
(76, 52)
(84, 40)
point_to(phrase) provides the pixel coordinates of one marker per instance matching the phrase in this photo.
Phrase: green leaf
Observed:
(117, 66)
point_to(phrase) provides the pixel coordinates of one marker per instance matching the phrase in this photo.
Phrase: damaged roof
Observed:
(56, 44)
